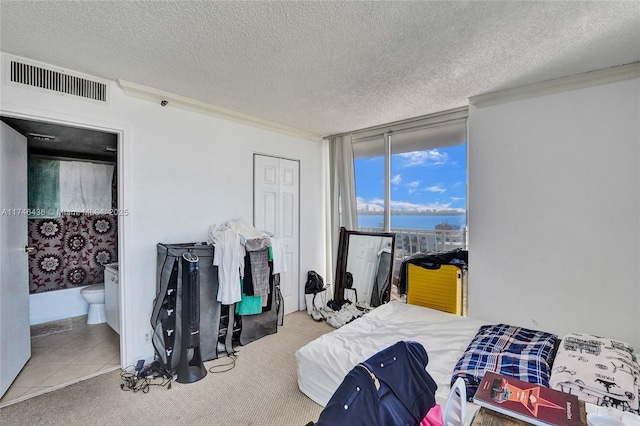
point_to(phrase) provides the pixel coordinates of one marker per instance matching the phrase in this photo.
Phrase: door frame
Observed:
(124, 167)
(301, 299)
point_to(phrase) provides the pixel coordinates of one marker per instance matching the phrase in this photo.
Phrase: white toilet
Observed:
(94, 295)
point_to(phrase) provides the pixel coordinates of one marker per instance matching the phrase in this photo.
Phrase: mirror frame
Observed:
(343, 254)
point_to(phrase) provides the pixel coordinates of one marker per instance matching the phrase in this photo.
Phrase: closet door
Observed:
(276, 209)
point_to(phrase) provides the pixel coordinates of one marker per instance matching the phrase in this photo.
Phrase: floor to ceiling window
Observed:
(427, 181)
(369, 172)
(428, 188)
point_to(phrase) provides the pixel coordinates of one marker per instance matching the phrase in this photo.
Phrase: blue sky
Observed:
(420, 180)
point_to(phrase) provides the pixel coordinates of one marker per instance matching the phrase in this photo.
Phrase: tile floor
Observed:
(62, 358)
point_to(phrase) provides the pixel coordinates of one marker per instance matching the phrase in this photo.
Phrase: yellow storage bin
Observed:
(439, 289)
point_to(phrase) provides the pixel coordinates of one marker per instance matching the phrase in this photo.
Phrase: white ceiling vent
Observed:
(60, 81)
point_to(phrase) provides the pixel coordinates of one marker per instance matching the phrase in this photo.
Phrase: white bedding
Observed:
(324, 362)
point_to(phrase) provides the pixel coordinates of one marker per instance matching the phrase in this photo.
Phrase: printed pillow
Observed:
(598, 370)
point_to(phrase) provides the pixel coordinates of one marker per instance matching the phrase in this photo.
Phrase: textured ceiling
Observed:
(325, 67)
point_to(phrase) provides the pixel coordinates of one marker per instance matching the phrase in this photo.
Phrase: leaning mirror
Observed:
(364, 267)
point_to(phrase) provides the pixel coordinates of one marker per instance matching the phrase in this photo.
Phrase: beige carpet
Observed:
(261, 390)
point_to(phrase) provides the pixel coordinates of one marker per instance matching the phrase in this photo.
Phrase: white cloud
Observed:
(431, 157)
(396, 179)
(377, 205)
(435, 188)
(412, 186)
(405, 205)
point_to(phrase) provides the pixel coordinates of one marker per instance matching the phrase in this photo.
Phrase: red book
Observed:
(529, 402)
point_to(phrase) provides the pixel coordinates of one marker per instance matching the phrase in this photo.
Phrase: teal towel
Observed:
(43, 182)
(249, 305)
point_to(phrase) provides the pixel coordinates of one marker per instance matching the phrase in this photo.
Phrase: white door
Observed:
(15, 341)
(276, 187)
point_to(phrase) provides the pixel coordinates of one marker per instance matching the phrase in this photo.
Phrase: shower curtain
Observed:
(72, 244)
(71, 250)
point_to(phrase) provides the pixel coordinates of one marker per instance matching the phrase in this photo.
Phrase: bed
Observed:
(463, 347)
(323, 363)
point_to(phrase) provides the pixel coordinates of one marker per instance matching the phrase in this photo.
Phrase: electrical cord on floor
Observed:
(153, 375)
(225, 366)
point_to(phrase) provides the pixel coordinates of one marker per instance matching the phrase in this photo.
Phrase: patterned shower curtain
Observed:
(71, 250)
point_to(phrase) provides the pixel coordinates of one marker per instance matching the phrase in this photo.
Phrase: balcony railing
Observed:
(411, 241)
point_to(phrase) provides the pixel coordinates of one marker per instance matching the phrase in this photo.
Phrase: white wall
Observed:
(554, 212)
(182, 171)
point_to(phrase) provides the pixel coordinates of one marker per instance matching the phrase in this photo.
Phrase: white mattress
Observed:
(324, 362)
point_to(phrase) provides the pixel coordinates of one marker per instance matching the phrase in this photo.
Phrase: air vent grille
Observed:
(43, 78)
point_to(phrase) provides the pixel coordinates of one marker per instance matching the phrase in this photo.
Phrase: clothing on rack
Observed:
(279, 260)
(247, 280)
(228, 255)
(244, 252)
(249, 305)
(260, 271)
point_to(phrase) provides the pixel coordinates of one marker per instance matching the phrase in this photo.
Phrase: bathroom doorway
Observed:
(64, 348)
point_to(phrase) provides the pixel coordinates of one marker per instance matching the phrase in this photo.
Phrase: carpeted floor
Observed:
(261, 390)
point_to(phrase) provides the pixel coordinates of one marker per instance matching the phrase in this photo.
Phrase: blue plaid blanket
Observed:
(513, 351)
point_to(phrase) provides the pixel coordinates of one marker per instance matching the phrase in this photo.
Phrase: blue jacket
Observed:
(390, 388)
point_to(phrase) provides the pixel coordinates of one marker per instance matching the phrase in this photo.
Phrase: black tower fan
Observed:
(190, 367)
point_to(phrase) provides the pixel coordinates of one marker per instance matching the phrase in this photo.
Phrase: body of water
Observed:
(413, 221)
